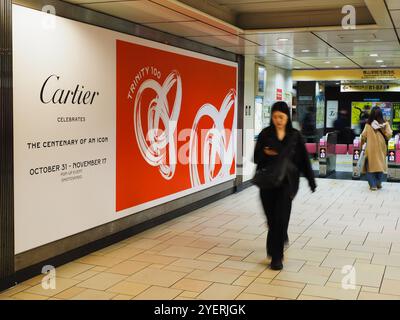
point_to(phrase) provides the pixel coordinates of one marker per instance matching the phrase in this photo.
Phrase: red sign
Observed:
(279, 94)
(176, 116)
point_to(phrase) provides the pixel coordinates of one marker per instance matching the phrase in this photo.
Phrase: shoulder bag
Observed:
(273, 174)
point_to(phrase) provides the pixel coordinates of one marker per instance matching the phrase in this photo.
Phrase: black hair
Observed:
(376, 114)
(281, 106)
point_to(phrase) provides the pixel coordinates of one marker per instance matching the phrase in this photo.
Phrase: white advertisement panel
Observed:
(332, 107)
(76, 141)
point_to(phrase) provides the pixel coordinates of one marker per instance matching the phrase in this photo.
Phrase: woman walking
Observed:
(278, 143)
(376, 132)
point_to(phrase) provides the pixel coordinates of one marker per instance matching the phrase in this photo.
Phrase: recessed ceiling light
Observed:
(305, 50)
(283, 39)
(373, 55)
(327, 62)
(337, 67)
(379, 61)
(383, 66)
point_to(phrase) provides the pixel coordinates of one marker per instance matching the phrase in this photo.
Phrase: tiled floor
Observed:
(218, 252)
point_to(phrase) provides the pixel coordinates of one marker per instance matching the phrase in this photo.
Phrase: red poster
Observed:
(176, 122)
(279, 95)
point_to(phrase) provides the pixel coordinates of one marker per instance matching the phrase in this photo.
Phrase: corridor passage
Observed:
(218, 252)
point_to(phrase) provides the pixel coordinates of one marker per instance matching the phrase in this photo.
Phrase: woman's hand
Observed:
(270, 152)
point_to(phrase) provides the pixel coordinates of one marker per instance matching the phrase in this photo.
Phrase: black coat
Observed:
(299, 158)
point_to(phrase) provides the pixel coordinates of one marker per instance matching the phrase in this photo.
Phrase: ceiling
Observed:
(290, 34)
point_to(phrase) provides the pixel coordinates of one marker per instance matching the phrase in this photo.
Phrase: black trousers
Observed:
(277, 205)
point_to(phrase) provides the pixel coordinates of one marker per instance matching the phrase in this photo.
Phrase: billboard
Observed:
(176, 119)
(107, 125)
(358, 107)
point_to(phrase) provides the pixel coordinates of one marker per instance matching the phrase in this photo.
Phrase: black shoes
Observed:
(276, 264)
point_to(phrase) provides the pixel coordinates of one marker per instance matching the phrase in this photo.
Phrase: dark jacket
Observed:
(299, 158)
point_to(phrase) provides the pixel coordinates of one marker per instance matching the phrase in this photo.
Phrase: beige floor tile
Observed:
(128, 288)
(231, 252)
(183, 252)
(60, 285)
(332, 243)
(302, 276)
(85, 275)
(144, 244)
(219, 291)
(195, 264)
(211, 231)
(388, 260)
(365, 275)
(213, 257)
(303, 254)
(238, 235)
(370, 289)
(189, 294)
(157, 266)
(124, 253)
(334, 261)
(158, 293)
(258, 257)
(291, 284)
(101, 281)
(181, 240)
(100, 261)
(252, 274)
(352, 254)
(69, 293)
(331, 292)
(244, 281)
(72, 269)
(269, 274)
(192, 285)
(370, 249)
(98, 269)
(90, 294)
(235, 258)
(14, 290)
(249, 296)
(109, 249)
(156, 277)
(263, 280)
(128, 267)
(392, 273)
(33, 281)
(28, 296)
(391, 287)
(214, 276)
(273, 291)
(237, 272)
(153, 258)
(245, 266)
(161, 247)
(305, 297)
(178, 269)
(122, 297)
(376, 296)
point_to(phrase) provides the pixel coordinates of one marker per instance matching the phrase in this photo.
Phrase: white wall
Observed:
(276, 79)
